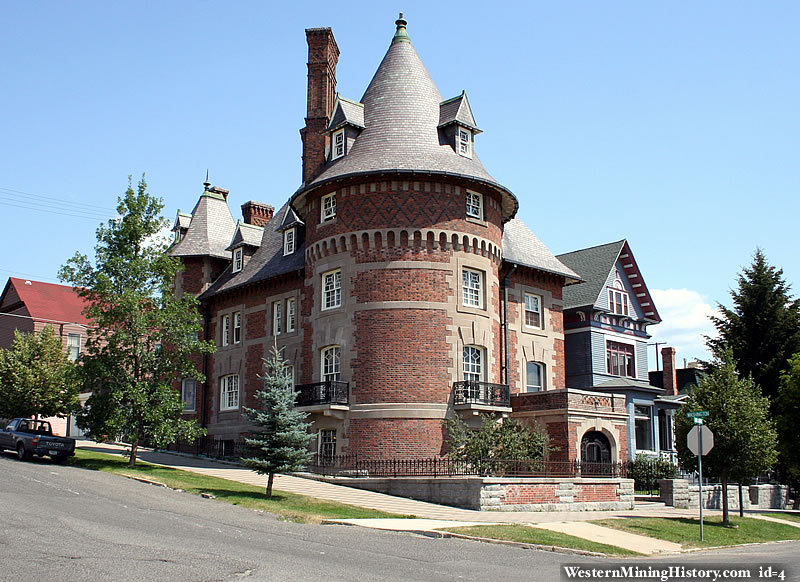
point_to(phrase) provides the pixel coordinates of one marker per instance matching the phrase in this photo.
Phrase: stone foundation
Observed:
(504, 493)
(678, 493)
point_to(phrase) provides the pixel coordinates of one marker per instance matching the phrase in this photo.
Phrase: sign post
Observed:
(700, 441)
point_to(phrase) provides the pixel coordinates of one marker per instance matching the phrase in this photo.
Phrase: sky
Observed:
(673, 125)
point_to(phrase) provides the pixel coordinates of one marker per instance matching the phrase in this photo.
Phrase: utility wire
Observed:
(87, 206)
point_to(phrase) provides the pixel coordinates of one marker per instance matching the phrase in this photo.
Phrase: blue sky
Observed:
(673, 125)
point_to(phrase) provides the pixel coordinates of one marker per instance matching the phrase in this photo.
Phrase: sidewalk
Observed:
(428, 516)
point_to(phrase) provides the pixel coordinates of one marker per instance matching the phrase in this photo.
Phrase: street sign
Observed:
(699, 414)
(694, 440)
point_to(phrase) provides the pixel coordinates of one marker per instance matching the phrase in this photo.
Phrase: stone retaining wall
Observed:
(678, 493)
(504, 493)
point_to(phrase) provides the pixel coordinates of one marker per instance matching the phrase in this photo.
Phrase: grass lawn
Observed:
(288, 505)
(535, 535)
(686, 531)
(784, 515)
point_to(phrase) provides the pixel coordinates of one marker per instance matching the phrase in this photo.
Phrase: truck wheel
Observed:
(22, 454)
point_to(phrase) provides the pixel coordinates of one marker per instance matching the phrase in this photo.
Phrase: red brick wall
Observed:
(395, 438)
(401, 355)
(596, 492)
(401, 285)
(533, 493)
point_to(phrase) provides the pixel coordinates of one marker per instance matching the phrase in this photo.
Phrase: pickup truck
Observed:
(30, 437)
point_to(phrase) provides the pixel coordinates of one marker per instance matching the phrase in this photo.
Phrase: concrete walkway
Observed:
(429, 516)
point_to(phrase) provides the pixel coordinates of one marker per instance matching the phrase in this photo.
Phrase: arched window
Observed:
(534, 377)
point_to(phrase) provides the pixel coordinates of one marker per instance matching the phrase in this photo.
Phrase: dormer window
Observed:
(328, 207)
(464, 142)
(338, 144)
(238, 259)
(288, 241)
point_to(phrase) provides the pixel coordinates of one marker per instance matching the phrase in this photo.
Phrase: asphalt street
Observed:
(65, 523)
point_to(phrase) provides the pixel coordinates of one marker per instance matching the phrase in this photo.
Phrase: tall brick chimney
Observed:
(670, 375)
(323, 54)
(257, 213)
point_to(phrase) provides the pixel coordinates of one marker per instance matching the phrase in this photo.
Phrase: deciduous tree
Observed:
(744, 435)
(145, 333)
(36, 377)
(280, 441)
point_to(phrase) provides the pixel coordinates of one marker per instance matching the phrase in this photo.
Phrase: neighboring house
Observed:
(29, 306)
(606, 318)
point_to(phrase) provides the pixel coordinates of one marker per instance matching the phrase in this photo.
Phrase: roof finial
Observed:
(401, 35)
(206, 184)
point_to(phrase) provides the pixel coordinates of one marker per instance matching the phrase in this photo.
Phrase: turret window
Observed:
(328, 207)
(331, 289)
(338, 144)
(472, 288)
(474, 205)
(464, 145)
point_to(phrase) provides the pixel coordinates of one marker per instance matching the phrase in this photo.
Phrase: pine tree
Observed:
(762, 329)
(787, 418)
(36, 377)
(280, 442)
(145, 334)
(744, 436)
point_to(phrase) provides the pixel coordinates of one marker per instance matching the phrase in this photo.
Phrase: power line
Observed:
(103, 209)
(27, 275)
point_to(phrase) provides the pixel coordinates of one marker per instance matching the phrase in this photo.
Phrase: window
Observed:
(331, 367)
(288, 242)
(619, 359)
(328, 207)
(327, 443)
(225, 330)
(238, 259)
(331, 289)
(473, 364)
(237, 327)
(618, 302)
(229, 392)
(338, 144)
(665, 431)
(290, 315)
(474, 205)
(472, 288)
(534, 377)
(188, 392)
(288, 371)
(73, 346)
(533, 311)
(276, 318)
(643, 427)
(464, 145)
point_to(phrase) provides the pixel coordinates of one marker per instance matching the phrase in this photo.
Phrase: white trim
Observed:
(331, 290)
(330, 367)
(225, 330)
(291, 314)
(327, 205)
(473, 283)
(238, 260)
(463, 142)
(338, 144)
(525, 310)
(474, 204)
(277, 318)
(229, 392)
(289, 243)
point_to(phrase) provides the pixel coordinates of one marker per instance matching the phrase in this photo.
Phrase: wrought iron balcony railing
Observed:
(320, 393)
(482, 393)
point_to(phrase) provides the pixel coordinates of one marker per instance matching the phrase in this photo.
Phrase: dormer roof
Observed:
(246, 235)
(346, 112)
(290, 219)
(182, 221)
(211, 228)
(457, 110)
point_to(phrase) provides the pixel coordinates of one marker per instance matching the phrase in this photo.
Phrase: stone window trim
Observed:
(229, 392)
(535, 377)
(331, 290)
(330, 363)
(533, 311)
(326, 445)
(189, 394)
(473, 288)
(238, 260)
(289, 241)
(477, 265)
(327, 207)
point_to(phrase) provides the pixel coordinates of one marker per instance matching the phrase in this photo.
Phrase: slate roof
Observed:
(457, 110)
(617, 384)
(346, 111)
(246, 234)
(522, 247)
(211, 229)
(289, 219)
(46, 301)
(401, 108)
(182, 220)
(268, 261)
(593, 265)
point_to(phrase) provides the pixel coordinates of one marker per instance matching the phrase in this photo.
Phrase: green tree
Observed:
(744, 436)
(495, 441)
(145, 334)
(280, 442)
(36, 377)
(762, 328)
(787, 417)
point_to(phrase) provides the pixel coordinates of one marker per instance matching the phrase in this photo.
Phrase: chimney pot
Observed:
(257, 213)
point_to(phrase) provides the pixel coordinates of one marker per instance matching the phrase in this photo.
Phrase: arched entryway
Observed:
(595, 447)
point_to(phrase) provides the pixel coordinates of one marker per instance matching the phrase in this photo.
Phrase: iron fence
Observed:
(213, 448)
(483, 393)
(328, 392)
